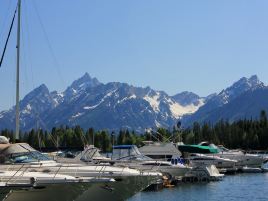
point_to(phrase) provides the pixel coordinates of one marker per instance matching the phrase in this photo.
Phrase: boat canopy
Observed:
(160, 149)
(197, 149)
(127, 152)
(20, 153)
(89, 154)
(7, 149)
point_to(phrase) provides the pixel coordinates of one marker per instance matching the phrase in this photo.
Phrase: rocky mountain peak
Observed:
(81, 84)
(186, 98)
(242, 85)
(84, 82)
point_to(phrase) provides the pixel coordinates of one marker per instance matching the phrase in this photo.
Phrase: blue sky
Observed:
(173, 45)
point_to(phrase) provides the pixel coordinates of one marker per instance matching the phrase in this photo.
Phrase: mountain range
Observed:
(90, 103)
(243, 100)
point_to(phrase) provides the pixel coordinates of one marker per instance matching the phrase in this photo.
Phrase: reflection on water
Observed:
(240, 187)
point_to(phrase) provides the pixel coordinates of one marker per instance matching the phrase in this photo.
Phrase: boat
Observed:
(92, 154)
(160, 151)
(242, 158)
(223, 164)
(247, 169)
(204, 173)
(170, 152)
(197, 149)
(31, 186)
(129, 155)
(128, 181)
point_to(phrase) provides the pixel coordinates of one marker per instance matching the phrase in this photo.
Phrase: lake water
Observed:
(239, 187)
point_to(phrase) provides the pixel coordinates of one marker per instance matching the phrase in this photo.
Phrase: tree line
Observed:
(245, 134)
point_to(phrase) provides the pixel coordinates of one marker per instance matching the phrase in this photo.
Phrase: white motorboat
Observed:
(160, 151)
(90, 154)
(129, 155)
(220, 163)
(205, 173)
(128, 181)
(247, 169)
(32, 186)
(243, 159)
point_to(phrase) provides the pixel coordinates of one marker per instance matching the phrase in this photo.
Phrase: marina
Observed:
(26, 174)
(155, 160)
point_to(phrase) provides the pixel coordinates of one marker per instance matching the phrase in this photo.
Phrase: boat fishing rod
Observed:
(8, 36)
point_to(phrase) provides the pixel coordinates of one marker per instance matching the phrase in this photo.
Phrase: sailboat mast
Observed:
(18, 75)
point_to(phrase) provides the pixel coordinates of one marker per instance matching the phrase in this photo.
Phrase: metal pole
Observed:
(18, 75)
(93, 138)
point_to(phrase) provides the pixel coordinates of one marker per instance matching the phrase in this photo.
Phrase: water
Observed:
(240, 187)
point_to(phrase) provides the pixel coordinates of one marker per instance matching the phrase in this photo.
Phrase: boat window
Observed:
(27, 157)
(129, 153)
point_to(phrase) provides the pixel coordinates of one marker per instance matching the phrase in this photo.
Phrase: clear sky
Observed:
(172, 45)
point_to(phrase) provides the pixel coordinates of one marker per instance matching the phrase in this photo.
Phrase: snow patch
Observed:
(27, 109)
(153, 101)
(74, 91)
(101, 101)
(58, 98)
(3, 113)
(77, 115)
(157, 124)
(81, 85)
(109, 94)
(60, 95)
(127, 98)
(178, 110)
(225, 98)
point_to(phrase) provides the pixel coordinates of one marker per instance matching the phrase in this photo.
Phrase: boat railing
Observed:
(12, 178)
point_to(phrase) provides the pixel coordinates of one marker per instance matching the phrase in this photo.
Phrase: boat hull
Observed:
(127, 183)
(120, 190)
(244, 159)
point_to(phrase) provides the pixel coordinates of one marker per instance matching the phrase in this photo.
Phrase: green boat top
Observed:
(197, 149)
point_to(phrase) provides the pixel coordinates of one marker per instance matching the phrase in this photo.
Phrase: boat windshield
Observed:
(88, 154)
(128, 153)
(26, 157)
(222, 148)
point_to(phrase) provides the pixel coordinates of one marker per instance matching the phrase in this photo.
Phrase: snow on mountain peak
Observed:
(81, 84)
(178, 110)
(185, 98)
(242, 85)
(254, 81)
(133, 96)
(153, 101)
(88, 100)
